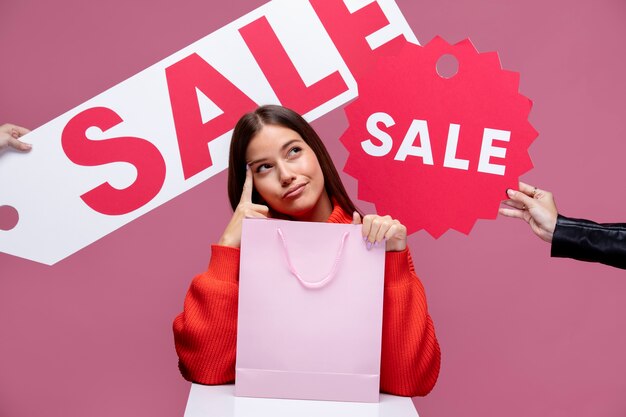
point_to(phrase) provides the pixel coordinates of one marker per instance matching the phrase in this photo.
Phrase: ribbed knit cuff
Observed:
(224, 263)
(397, 268)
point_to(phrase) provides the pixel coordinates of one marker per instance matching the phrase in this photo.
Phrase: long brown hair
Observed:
(251, 123)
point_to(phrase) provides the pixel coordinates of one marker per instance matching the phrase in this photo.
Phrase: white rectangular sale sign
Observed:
(167, 129)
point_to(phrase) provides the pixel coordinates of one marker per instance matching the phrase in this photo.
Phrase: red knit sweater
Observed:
(205, 332)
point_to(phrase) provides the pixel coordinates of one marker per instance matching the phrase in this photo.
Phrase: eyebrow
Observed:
(282, 148)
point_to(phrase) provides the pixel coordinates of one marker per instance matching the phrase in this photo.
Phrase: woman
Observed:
(280, 168)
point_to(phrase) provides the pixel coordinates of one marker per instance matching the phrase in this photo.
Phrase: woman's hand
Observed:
(377, 229)
(536, 207)
(245, 208)
(10, 135)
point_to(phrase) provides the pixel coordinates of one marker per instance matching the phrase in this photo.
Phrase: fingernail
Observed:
(368, 245)
(247, 167)
(364, 238)
(510, 192)
(376, 244)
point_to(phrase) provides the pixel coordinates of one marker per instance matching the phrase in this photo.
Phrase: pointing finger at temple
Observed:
(246, 192)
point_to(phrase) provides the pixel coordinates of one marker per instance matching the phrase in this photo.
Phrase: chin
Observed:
(297, 209)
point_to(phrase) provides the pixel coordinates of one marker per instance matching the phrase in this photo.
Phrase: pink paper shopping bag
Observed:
(310, 312)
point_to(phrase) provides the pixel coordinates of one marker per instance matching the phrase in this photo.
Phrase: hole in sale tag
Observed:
(436, 136)
(447, 66)
(8, 218)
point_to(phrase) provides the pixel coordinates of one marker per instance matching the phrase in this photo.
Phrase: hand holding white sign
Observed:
(245, 209)
(9, 137)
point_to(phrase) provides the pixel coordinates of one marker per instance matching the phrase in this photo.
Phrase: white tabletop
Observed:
(220, 401)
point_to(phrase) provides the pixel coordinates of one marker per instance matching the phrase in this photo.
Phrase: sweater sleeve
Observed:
(205, 332)
(410, 357)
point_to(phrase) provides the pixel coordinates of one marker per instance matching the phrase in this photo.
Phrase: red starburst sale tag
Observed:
(438, 152)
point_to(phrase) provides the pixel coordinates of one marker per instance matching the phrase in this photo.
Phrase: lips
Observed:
(294, 191)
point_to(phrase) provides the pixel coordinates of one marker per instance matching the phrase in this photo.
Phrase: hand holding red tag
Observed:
(437, 153)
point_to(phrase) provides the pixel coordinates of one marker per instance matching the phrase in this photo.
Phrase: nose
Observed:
(285, 174)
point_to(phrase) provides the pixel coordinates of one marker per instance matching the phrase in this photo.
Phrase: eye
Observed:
(263, 168)
(294, 151)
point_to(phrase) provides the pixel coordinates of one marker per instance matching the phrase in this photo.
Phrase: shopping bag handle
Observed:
(331, 274)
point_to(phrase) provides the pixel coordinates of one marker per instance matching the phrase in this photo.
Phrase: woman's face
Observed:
(287, 174)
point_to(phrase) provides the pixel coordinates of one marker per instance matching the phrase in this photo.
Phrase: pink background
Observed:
(521, 334)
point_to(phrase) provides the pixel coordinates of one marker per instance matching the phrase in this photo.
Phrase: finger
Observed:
(517, 214)
(246, 192)
(513, 203)
(374, 228)
(386, 223)
(521, 197)
(249, 207)
(395, 230)
(356, 218)
(253, 214)
(367, 225)
(260, 208)
(19, 145)
(529, 190)
(18, 131)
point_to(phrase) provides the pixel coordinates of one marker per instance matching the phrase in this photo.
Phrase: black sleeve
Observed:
(585, 240)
